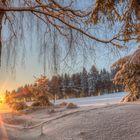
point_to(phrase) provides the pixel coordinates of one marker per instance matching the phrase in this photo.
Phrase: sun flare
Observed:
(2, 99)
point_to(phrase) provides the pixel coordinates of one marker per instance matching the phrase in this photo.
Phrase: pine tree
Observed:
(129, 75)
(105, 80)
(84, 81)
(55, 86)
(93, 78)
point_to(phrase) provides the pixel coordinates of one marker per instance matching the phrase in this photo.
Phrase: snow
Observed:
(95, 100)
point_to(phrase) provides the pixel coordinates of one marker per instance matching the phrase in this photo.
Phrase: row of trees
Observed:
(71, 20)
(80, 84)
(37, 92)
(84, 83)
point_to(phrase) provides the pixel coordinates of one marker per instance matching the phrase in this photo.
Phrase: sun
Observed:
(2, 98)
(3, 106)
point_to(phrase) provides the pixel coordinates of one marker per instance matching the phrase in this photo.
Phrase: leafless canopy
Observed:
(65, 18)
(125, 12)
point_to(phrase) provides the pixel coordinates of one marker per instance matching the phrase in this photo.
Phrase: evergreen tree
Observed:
(93, 78)
(129, 75)
(84, 81)
(54, 86)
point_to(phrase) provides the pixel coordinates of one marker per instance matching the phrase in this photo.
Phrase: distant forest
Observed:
(82, 84)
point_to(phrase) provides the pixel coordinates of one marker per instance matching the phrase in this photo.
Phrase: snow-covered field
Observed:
(95, 122)
(96, 100)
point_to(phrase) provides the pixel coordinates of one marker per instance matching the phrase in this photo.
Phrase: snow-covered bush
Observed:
(35, 104)
(19, 106)
(63, 104)
(129, 75)
(40, 91)
(71, 106)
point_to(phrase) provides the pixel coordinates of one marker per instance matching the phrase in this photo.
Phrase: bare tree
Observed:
(124, 12)
(69, 21)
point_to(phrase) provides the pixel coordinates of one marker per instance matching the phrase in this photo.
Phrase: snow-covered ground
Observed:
(96, 100)
(109, 122)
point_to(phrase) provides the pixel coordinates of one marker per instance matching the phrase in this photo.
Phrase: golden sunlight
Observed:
(3, 106)
(2, 97)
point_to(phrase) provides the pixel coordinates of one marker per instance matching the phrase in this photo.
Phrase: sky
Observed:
(24, 73)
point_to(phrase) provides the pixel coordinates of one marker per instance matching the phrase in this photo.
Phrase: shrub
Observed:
(63, 104)
(18, 106)
(43, 100)
(71, 106)
(36, 103)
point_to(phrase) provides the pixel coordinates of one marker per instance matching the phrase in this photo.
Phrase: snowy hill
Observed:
(96, 100)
